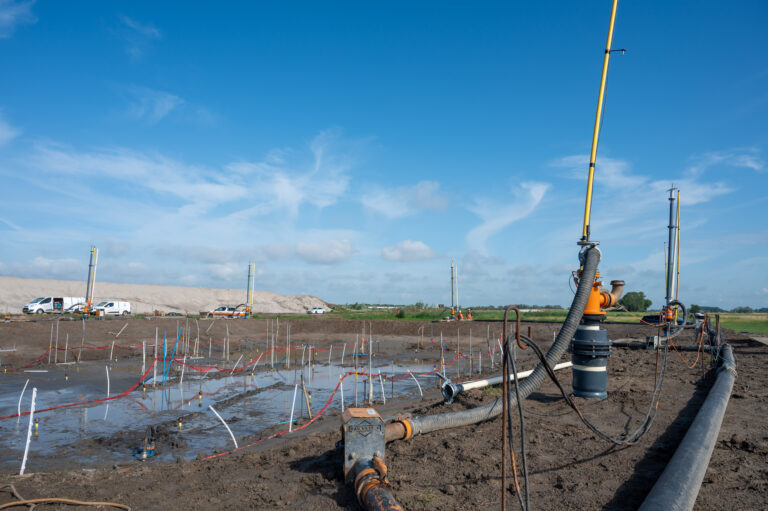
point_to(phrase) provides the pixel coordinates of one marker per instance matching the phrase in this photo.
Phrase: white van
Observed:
(56, 304)
(111, 308)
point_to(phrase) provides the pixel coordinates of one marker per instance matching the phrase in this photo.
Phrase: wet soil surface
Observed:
(569, 467)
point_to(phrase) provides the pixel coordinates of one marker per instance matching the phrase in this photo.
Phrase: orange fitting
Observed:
(599, 299)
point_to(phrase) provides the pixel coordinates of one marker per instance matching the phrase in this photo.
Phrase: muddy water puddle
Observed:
(106, 433)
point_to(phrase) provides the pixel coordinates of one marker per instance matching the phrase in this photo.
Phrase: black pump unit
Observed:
(590, 349)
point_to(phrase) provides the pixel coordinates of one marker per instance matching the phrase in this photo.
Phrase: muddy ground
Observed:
(454, 469)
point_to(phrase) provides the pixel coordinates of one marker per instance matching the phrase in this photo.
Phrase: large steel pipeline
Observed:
(678, 486)
(405, 428)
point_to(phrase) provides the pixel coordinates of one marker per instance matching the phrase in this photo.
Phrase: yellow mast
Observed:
(596, 131)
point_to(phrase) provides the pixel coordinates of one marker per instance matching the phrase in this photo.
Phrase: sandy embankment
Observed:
(15, 292)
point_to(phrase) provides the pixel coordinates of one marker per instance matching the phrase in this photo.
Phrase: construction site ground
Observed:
(569, 467)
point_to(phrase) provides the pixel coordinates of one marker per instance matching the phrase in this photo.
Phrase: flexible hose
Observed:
(428, 423)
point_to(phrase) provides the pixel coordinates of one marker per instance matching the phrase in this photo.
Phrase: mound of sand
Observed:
(16, 292)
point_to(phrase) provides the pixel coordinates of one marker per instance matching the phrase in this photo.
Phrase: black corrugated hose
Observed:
(428, 423)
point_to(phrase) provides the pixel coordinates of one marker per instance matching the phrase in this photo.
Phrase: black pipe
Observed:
(590, 257)
(678, 486)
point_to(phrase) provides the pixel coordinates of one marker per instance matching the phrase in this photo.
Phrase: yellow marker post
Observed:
(596, 132)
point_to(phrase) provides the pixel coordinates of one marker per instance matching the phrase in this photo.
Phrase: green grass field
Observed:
(752, 323)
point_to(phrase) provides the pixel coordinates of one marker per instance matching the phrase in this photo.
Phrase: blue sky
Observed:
(353, 149)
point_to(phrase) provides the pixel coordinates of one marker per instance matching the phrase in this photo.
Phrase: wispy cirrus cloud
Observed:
(14, 13)
(137, 36)
(7, 132)
(403, 201)
(280, 184)
(497, 217)
(194, 184)
(151, 105)
(407, 251)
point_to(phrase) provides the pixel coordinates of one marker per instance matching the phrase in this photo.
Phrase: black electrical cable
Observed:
(650, 415)
(511, 360)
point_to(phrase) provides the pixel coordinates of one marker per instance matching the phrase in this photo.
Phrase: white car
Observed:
(316, 310)
(111, 308)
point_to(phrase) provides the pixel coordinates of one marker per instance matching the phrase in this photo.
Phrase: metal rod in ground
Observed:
(197, 341)
(154, 373)
(288, 347)
(306, 397)
(343, 350)
(82, 342)
(143, 355)
(341, 388)
(417, 384)
(50, 345)
(29, 431)
(66, 348)
(111, 350)
(121, 330)
(370, 369)
(56, 353)
(107, 369)
(330, 351)
(293, 405)
(234, 441)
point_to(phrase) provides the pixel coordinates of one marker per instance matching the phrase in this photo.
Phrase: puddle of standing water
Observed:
(105, 433)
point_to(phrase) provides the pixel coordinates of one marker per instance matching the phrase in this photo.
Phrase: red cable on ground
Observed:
(117, 396)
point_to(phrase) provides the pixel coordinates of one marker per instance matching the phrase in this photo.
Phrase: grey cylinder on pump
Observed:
(590, 349)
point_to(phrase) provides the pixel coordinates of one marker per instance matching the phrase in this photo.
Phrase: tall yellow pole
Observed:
(596, 131)
(677, 285)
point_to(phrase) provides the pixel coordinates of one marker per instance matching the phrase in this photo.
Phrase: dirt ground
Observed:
(569, 467)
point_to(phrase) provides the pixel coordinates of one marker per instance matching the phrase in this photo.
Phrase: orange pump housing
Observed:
(600, 299)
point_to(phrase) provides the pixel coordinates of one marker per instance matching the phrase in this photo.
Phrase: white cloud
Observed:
(280, 186)
(158, 173)
(7, 132)
(408, 251)
(403, 201)
(151, 105)
(497, 216)
(325, 252)
(138, 36)
(14, 13)
(749, 158)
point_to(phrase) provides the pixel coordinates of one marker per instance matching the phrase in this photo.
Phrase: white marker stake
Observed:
(225, 425)
(111, 350)
(143, 356)
(66, 349)
(341, 387)
(29, 431)
(383, 397)
(343, 350)
(330, 350)
(21, 396)
(293, 405)
(183, 365)
(107, 369)
(417, 383)
(235, 366)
